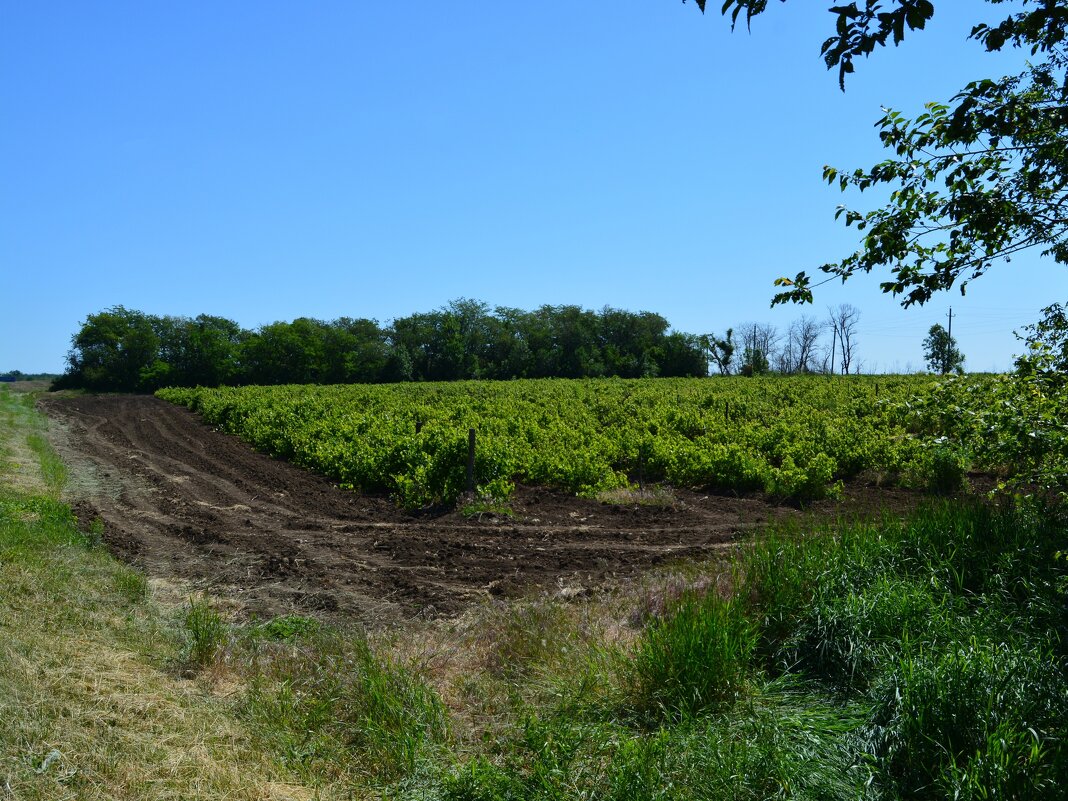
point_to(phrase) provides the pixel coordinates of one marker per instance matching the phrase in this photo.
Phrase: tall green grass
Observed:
(53, 471)
(334, 709)
(976, 719)
(697, 659)
(916, 658)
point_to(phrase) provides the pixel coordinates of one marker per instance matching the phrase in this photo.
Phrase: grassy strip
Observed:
(91, 697)
(92, 703)
(53, 471)
(21, 443)
(26, 457)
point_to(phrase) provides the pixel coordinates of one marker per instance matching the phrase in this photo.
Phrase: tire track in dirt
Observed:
(183, 501)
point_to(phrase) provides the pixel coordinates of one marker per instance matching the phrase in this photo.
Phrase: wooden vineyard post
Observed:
(471, 460)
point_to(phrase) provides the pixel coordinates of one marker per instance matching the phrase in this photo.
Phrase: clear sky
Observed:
(266, 161)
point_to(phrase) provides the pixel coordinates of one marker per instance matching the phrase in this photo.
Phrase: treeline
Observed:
(129, 351)
(18, 375)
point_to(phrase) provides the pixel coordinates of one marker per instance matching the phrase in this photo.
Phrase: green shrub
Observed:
(810, 482)
(946, 470)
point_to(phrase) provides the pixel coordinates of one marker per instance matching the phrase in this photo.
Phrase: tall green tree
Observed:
(287, 353)
(720, 350)
(112, 350)
(941, 352)
(973, 180)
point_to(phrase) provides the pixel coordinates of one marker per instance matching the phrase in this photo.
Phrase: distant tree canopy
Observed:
(125, 350)
(18, 375)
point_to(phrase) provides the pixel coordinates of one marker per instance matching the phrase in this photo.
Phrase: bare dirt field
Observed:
(188, 503)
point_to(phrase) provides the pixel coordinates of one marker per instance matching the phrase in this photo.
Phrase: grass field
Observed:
(916, 657)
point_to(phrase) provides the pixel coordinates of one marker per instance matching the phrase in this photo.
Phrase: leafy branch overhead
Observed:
(973, 181)
(858, 31)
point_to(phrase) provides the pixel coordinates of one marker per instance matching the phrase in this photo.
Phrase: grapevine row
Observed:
(793, 438)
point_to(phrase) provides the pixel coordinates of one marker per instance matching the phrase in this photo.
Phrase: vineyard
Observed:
(792, 438)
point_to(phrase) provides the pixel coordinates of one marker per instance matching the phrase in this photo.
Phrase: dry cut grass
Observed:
(92, 701)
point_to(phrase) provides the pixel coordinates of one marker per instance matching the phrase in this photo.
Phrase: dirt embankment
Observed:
(183, 501)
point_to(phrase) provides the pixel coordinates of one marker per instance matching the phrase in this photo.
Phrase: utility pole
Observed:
(945, 362)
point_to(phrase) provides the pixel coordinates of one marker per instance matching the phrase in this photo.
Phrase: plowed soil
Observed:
(185, 502)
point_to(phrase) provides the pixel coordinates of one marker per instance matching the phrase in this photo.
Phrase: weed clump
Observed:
(288, 627)
(131, 585)
(206, 633)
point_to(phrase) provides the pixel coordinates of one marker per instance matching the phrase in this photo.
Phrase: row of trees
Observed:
(126, 350)
(18, 375)
(129, 351)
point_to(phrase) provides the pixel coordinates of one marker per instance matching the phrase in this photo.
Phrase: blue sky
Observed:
(266, 161)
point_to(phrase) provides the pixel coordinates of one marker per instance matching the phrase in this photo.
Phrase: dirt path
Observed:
(186, 502)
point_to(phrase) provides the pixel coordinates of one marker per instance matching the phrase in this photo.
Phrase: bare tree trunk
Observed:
(844, 319)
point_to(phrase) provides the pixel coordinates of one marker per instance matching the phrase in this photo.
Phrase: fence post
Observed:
(471, 460)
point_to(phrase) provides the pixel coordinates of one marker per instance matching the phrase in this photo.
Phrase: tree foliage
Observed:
(130, 351)
(859, 27)
(111, 350)
(1046, 356)
(941, 352)
(720, 350)
(973, 181)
